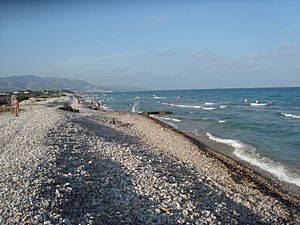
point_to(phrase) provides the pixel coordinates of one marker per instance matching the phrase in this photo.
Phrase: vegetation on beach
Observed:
(6, 98)
(25, 95)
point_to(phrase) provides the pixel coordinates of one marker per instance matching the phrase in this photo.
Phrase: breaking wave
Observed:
(248, 153)
(157, 97)
(189, 106)
(291, 115)
(166, 118)
(133, 109)
(208, 108)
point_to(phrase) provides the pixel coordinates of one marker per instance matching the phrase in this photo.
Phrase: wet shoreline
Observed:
(224, 153)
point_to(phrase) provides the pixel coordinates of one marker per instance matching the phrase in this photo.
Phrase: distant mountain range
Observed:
(35, 83)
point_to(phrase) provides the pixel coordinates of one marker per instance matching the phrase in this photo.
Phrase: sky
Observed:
(154, 44)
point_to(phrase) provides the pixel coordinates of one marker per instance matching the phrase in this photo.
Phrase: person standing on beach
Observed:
(16, 106)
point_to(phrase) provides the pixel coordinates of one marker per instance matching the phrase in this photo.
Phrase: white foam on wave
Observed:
(291, 115)
(222, 121)
(133, 109)
(208, 108)
(248, 153)
(166, 118)
(209, 103)
(137, 97)
(189, 106)
(223, 106)
(158, 97)
(104, 107)
(169, 123)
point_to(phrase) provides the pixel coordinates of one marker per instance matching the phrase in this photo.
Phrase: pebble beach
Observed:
(61, 167)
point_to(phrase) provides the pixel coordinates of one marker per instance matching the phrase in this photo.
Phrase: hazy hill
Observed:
(29, 82)
(117, 88)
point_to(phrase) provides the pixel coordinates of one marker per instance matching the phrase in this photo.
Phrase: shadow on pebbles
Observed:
(95, 174)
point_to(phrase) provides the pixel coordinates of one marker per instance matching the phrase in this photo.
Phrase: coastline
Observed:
(138, 170)
(221, 152)
(282, 188)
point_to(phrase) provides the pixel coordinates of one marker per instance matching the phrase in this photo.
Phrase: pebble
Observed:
(158, 211)
(83, 170)
(67, 221)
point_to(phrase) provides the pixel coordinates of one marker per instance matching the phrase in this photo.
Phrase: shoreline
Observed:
(262, 179)
(225, 150)
(287, 191)
(85, 169)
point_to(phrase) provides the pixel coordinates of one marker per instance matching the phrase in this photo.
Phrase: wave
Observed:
(166, 118)
(208, 108)
(248, 153)
(222, 121)
(106, 108)
(291, 115)
(133, 109)
(209, 103)
(157, 97)
(223, 106)
(189, 106)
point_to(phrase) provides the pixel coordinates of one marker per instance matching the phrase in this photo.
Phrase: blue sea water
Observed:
(267, 136)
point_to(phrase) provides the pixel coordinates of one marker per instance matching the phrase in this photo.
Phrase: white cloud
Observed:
(202, 55)
(205, 60)
(287, 29)
(289, 46)
(157, 19)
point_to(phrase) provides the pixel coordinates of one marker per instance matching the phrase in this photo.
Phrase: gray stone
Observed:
(67, 221)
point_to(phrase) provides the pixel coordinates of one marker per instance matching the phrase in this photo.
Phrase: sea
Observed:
(265, 135)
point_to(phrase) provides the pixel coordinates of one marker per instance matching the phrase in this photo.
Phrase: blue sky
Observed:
(154, 44)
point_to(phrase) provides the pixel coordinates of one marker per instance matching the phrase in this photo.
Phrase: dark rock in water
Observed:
(157, 112)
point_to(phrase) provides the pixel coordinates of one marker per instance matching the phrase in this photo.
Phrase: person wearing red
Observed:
(16, 106)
